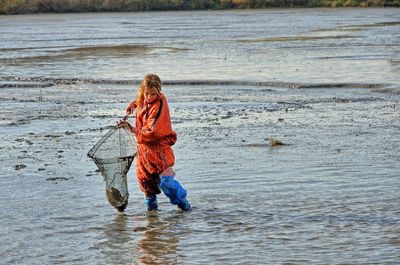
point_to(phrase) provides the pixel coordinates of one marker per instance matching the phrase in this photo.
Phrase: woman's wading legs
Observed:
(174, 191)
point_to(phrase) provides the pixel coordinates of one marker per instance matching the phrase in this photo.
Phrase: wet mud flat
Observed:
(330, 194)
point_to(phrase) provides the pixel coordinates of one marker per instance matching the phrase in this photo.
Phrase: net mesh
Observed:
(113, 155)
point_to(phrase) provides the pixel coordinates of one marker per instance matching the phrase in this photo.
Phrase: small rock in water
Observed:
(275, 142)
(19, 166)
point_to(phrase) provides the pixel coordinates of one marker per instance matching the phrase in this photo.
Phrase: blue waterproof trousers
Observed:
(173, 190)
(151, 202)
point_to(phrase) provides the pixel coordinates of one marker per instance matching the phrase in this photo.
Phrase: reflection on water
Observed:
(159, 241)
(145, 239)
(118, 243)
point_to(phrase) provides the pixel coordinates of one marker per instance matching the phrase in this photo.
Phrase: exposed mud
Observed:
(300, 38)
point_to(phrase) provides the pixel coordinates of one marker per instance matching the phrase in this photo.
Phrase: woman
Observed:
(155, 137)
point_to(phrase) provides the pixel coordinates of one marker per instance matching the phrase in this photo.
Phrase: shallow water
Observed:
(329, 196)
(284, 45)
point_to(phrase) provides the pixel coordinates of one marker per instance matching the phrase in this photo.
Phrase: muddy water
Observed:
(284, 45)
(330, 195)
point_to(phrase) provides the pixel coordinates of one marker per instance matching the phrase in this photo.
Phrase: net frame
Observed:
(117, 183)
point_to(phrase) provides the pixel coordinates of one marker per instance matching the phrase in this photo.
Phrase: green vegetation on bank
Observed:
(62, 6)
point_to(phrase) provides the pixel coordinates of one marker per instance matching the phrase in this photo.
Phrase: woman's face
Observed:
(150, 94)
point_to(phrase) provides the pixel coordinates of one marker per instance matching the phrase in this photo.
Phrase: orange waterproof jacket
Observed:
(154, 139)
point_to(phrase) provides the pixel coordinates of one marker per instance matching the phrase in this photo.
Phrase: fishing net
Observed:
(113, 155)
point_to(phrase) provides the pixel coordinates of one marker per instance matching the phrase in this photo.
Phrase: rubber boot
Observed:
(151, 203)
(175, 192)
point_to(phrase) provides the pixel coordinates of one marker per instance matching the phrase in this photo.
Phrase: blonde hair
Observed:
(149, 82)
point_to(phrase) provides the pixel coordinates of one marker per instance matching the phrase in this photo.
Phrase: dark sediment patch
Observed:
(79, 53)
(206, 82)
(52, 136)
(25, 85)
(298, 38)
(172, 49)
(58, 178)
(371, 25)
(361, 26)
(109, 50)
(342, 100)
(82, 52)
(394, 62)
(19, 166)
(349, 57)
(271, 142)
(387, 91)
(256, 145)
(218, 163)
(66, 81)
(340, 85)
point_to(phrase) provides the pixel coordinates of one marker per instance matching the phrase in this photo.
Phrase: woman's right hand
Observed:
(130, 108)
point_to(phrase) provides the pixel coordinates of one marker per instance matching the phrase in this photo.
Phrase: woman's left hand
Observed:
(124, 123)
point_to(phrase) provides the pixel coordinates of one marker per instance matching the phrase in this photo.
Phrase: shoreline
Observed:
(40, 10)
(44, 82)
